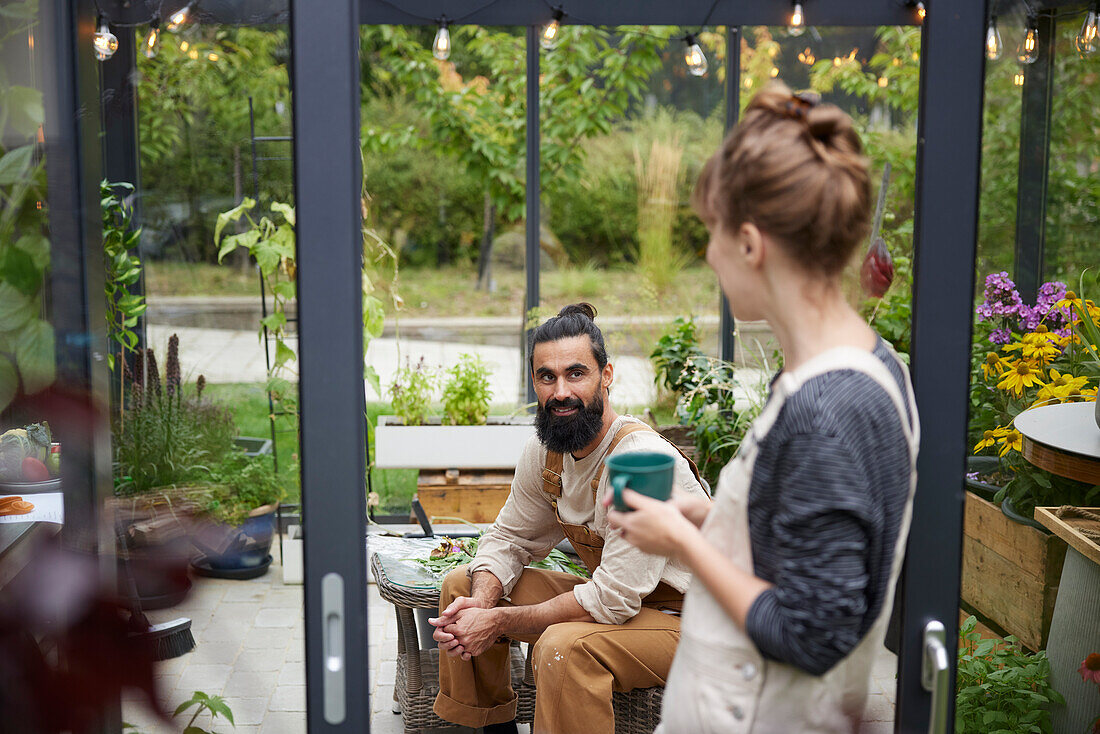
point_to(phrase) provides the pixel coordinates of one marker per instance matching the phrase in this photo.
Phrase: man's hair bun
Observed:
(579, 309)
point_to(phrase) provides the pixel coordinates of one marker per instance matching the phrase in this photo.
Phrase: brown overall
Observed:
(577, 665)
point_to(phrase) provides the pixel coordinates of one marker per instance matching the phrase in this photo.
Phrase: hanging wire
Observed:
(450, 21)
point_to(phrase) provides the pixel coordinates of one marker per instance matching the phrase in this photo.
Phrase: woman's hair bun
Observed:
(832, 126)
(582, 309)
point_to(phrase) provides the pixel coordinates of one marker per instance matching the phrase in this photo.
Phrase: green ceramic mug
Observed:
(646, 472)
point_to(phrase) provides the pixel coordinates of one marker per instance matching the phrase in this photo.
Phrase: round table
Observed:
(1065, 440)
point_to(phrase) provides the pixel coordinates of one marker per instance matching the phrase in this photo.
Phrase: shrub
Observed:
(466, 394)
(241, 484)
(1001, 688)
(411, 392)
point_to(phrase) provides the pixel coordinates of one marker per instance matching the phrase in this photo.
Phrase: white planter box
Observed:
(494, 446)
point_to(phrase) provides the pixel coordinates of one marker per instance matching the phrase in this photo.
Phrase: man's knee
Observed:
(455, 584)
(558, 643)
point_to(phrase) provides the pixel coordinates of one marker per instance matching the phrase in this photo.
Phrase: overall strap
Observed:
(632, 428)
(551, 473)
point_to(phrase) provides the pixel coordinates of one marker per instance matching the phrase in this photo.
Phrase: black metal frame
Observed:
(325, 46)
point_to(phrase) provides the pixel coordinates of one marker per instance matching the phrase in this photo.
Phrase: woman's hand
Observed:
(654, 526)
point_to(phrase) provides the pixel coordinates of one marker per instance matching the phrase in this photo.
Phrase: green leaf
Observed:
(38, 247)
(371, 376)
(18, 268)
(244, 239)
(274, 321)
(284, 289)
(34, 355)
(14, 164)
(16, 309)
(267, 256)
(196, 730)
(232, 215)
(374, 316)
(185, 705)
(283, 353)
(24, 109)
(285, 209)
(218, 705)
(9, 382)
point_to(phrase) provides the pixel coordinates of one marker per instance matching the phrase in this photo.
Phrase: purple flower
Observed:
(1000, 336)
(972, 476)
(1001, 298)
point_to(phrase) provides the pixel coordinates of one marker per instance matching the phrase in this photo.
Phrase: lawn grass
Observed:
(248, 403)
(451, 291)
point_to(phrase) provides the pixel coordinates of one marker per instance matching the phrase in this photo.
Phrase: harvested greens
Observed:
(453, 552)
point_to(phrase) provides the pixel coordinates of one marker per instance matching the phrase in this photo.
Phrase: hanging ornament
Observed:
(877, 271)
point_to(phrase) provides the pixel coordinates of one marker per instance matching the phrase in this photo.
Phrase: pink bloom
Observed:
(1090, 668)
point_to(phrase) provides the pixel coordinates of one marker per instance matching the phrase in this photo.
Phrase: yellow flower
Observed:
(1035, 345)
(1021, 376)
(1012, 440)
(988, 439)
(1060, 387)
(993, 365)
(1069, 300)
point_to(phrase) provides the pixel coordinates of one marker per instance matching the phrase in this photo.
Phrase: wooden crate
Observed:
(476, 496)
(1010, 572)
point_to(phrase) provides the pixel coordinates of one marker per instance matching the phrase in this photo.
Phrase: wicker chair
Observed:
(418, 670)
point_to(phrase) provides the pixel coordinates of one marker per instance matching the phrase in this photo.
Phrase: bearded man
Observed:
(615, 632)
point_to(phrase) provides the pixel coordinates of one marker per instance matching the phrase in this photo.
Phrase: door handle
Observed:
(334, 659)
(935, 675)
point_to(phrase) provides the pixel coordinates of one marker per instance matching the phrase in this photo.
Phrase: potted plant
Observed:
(464, 437)
(1025, 356)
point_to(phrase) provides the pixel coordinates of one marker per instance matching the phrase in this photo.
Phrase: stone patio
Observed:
(250, 650)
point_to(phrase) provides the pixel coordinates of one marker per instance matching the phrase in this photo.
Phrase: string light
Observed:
(1086, 41)
(551, 32)
(178, 18)
(807, 57)
(213, 56)
(1018, 79)
(184, 45)
(694, 57)
(152, 39)
(441, 46)
(883, 81)
(193, 54)
(797, 26)
(922, 12)
(994, 47)
(774, 72)
(1029, 47)
(103, 41)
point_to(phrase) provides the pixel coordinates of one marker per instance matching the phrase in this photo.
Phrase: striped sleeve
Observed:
(821, 535)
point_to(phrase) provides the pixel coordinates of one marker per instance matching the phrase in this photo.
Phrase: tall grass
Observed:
(658, 179)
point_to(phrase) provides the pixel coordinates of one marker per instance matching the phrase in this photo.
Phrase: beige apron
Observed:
(719, 681)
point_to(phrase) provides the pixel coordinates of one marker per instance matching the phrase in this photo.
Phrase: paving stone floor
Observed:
(250, 650)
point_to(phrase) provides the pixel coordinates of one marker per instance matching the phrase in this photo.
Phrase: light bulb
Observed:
(1087, 41)
(178, 18)
(213, 56)
(994, 47)
(807, 57)
(1018, 79)
(152, 39)
(883, 81)
(922, 12)
(184, 45)
(773, 73)
(694, 57)
(441, 46)
(104, 42)
(1029, 47)
(551, 32)
(193, 54)
(797, 26)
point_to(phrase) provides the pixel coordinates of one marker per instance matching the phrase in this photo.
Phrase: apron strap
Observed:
(551, 473)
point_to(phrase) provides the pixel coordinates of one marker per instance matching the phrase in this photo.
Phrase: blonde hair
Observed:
(796, 170)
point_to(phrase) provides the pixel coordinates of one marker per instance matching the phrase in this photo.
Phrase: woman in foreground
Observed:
(796, 560)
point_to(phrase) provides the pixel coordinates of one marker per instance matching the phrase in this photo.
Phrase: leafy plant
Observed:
(708, 394)
(1039, 360)
(26, 338)
(1000, 689)
(214, 705)
(122, 271)
(411, 392)
(466, 394)
(166, 437)
(240, 484)
(452, 553)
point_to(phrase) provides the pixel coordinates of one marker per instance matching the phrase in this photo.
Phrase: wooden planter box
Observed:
(475, 496)
(1010, 572)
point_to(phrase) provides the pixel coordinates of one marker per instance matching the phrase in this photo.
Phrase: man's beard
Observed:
(566, 434)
